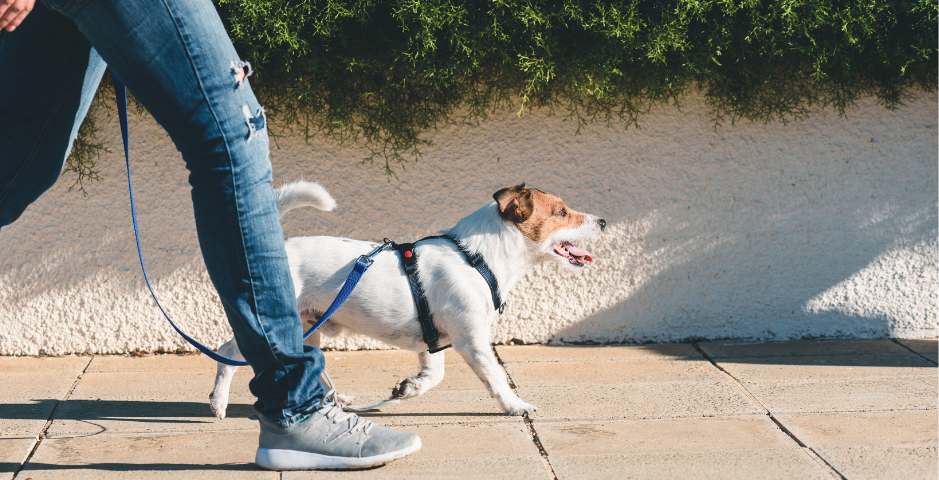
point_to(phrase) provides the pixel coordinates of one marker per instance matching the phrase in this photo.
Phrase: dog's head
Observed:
(548, 222)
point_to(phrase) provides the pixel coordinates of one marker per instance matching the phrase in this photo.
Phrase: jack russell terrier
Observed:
(521, 228)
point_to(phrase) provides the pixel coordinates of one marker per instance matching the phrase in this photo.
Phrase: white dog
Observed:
(521, 228)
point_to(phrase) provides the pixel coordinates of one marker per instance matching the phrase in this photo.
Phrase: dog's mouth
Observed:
(577, 256)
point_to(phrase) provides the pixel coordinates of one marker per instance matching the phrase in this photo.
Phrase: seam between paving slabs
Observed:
(531, 427)
(914, 352)
(805, 448)
(45, 427)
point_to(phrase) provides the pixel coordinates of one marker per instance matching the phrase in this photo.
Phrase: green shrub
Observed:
(384, 72)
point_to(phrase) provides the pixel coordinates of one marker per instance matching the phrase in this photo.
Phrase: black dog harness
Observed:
(424, 316)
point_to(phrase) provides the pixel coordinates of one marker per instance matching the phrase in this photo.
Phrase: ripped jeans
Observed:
(177, 60)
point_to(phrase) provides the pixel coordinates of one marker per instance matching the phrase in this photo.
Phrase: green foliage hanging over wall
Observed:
(383, 72)
(386, 71)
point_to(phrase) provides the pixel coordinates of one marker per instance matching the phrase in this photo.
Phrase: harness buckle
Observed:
(502, 308)
(368, 258)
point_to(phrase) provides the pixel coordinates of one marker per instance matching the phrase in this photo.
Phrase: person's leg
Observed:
(50, 75)
(175, 57)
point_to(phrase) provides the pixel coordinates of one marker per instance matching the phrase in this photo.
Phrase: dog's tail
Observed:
(303, 194)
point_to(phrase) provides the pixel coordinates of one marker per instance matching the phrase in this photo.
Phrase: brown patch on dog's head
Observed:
(537, 214)
(515, 203)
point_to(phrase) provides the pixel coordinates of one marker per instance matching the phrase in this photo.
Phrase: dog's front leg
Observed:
(432, 369)
(218, 399)
(479, 356)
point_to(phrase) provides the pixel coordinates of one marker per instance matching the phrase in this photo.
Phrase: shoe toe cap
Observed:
(389, 441)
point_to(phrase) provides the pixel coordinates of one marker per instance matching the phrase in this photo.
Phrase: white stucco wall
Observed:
(825, 227)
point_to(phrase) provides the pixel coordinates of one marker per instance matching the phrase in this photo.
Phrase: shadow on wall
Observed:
(838, 281)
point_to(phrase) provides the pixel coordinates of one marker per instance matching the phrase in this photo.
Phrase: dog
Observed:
(520, 228)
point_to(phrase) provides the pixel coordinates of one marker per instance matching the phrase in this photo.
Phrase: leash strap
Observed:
(424, 316)
(361, 264)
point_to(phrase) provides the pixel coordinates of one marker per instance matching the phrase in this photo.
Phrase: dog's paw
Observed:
(406, 388)
(345, 399)
(520, 408)
(218, 405)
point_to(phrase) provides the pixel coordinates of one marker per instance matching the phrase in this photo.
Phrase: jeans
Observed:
(177, 60)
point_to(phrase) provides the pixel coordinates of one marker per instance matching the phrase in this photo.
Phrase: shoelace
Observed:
(356, 423)
(332, 409)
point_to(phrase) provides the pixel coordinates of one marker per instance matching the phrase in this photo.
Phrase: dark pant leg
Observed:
(48, 77)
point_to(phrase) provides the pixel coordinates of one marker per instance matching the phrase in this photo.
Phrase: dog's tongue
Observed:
(578, 252)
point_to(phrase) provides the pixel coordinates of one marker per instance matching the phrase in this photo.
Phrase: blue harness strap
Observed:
(361, 264)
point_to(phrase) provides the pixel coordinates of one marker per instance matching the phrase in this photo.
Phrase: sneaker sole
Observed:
(277, 459)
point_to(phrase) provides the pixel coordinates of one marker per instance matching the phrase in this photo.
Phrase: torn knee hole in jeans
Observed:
(255, 122)
(240, 70)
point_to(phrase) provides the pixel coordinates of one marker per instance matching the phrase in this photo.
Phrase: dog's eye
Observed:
(562, 213)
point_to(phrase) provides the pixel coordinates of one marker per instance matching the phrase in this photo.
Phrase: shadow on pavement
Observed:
(132, 467)
(127, 410)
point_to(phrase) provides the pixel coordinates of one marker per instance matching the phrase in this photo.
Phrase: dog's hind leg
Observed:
(432, 369)
(218, 399)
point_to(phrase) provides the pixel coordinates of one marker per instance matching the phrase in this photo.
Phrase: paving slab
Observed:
(228, 455)
(153, 363)
(379, 379)
(13, 451)
(440, 407)
(868, 407)
(612, 372)
(499, 451)
(28, 401)
(884, 463)
(642, 400)
(904, 364)
(904, 393)
(546, 353)
(875, 445)
(798, 348)
(168, 385)
(772, 463)
(30, 387)
(142, 402)
(68, 365)
(494, 468)
(661, 435)
(391, 358)
(926, 345)
(916, 427)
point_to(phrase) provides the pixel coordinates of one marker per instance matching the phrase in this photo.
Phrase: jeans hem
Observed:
(295, 418)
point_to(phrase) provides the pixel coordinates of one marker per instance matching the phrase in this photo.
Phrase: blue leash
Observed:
(361, 264)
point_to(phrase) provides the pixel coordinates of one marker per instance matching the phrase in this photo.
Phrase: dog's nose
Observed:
(602, 223)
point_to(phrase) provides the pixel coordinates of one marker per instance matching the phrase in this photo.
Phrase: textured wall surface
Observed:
(825, 227)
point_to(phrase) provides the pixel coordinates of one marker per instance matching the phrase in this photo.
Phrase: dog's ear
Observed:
(514, 203)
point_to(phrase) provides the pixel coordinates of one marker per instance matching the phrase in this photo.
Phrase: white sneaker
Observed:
(331, 439)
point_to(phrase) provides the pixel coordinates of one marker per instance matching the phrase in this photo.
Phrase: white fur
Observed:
(381, 306)
(303, 194)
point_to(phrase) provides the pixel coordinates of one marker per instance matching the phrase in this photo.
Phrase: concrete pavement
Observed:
(854, 409)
